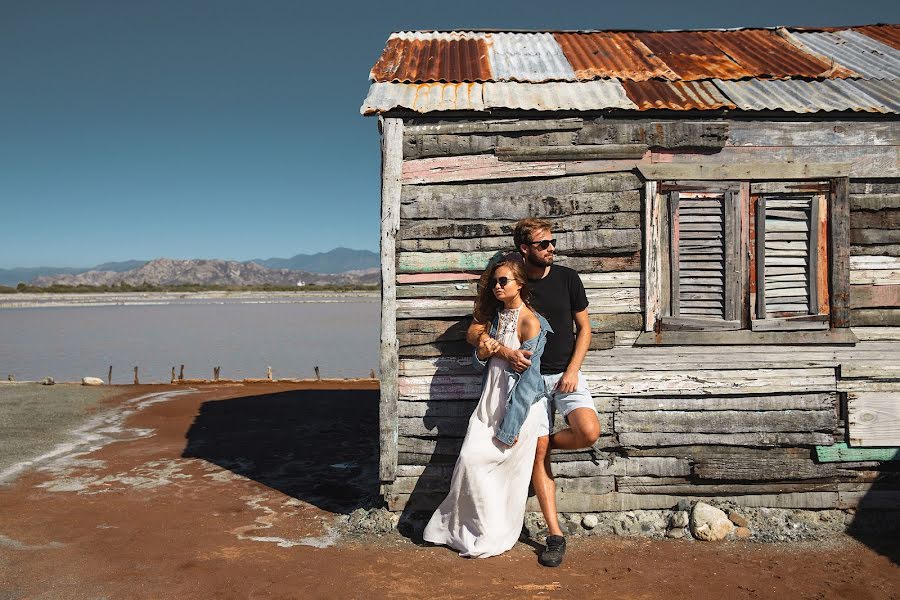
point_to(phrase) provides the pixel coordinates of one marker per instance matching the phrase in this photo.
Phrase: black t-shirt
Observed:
(556, 297)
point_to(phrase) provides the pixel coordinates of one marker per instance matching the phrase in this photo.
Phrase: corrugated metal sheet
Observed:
(611, 54)
(533, 57)
(584, 95)
(864, 55)
(691, 55)
(801, 96)
(764, 53)
(885, 91)
(433, 57)
(423, 97)
(676, 95)
(886, 34)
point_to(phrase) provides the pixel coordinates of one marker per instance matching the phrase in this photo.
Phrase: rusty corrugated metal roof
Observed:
(691, 55)
(633, 70)
(676, 95)
(764, 53)
(886, 34)
(412, 58)
(609, 54)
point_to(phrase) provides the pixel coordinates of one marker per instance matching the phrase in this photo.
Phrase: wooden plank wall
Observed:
(739, 422)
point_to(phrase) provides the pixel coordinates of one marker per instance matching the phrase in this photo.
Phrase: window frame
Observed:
(833, 327)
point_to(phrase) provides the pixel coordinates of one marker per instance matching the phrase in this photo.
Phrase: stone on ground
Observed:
(709, 524)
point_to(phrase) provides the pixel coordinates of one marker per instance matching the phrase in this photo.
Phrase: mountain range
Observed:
(337, 266)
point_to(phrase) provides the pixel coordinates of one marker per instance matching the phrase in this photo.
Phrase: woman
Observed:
(483, 513)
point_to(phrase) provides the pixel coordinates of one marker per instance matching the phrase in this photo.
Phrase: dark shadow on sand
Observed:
(319, 446)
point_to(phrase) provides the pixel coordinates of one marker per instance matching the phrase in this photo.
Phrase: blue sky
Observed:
(231, 129)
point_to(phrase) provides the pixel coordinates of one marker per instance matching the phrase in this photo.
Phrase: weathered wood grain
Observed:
(440, 262)
(755, 132)
(765, 469)
(479, 203)
(874, 201)
(475, 168)
(717, 171)
(702, 338)
(874, 236)
(875, 249)
(724, 421)
(455, 228)
(435, 145)
(489, 126)
(874, 296)
(523, 153)
(781, 402)
(654, 207)
(873, 418)
(732, 439)
(391, 149)
(573, 243)
(857, 161)
(875, 219)
(875, 317)
(658, 134)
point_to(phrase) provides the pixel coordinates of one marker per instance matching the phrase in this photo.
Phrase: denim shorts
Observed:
(566, 403)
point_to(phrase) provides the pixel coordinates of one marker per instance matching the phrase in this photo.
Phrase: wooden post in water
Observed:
(109, 377)
(136, 382)
(269, 373)
(173, 374)
(216, 373)
(10, 377)
(372, 374)
(181, 373)
(317, 372)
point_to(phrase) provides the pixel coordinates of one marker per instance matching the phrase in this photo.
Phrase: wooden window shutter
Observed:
(789, 256)
(704, 238)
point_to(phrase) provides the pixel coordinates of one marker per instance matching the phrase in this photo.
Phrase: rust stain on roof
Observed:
(886, 34)
(691, 55)
(675, 95)
(610, 54)
(429, 60)
(763, 53)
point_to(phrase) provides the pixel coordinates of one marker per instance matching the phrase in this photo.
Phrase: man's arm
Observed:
(569, 381)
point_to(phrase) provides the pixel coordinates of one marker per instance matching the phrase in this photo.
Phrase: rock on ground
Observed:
(709, 523)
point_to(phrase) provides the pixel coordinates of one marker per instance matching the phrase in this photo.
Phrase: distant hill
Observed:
(13, 277)
(167, 272)
(339, 260)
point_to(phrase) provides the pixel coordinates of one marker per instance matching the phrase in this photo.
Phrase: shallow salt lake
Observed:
(244, 335)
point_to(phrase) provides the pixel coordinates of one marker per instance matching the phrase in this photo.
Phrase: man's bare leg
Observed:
(582, 432)
(545, 485)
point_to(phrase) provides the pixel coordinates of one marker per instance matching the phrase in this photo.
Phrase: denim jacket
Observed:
(527, 387)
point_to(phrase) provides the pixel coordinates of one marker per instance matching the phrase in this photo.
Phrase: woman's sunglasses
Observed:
(544, 244)
(501, 280)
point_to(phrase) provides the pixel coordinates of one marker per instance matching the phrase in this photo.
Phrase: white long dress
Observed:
(483, 513)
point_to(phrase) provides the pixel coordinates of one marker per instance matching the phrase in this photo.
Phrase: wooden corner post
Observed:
(391, 166)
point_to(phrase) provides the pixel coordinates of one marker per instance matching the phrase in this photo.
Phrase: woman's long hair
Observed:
(486, 304)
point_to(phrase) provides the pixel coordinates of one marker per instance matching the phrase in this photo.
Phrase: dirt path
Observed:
(232, 492)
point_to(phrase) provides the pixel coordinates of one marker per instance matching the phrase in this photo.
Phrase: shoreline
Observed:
(67, 299)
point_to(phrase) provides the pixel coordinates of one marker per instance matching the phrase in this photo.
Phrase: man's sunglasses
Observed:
(544, 244)
(495, 280)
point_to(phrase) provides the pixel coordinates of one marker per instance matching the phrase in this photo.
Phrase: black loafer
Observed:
(553, 553)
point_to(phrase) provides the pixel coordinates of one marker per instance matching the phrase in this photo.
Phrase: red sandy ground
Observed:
(148, 523)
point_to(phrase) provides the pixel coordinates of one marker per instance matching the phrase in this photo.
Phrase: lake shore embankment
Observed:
(48, 300)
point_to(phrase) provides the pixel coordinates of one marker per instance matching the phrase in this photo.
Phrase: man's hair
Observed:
(526, 227)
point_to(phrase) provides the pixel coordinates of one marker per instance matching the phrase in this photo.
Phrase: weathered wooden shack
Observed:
(732, 202)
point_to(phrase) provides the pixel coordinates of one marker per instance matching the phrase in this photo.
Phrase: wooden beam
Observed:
(582, 152)
(489, 126)
(842, 452)
(873, 419)
(839, 240)
(652, 260)
(702, 338)
(737, 171)
(392, 159)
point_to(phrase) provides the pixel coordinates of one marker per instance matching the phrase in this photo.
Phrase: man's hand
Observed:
(519, 360)
(568, 383)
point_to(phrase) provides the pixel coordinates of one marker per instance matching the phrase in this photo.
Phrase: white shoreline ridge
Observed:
(50, 300)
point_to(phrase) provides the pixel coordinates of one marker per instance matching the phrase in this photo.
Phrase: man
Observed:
(558, 294)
